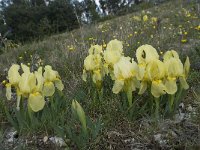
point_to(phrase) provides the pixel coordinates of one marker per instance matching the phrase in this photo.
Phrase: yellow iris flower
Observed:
(174, 69)
(51, 77)
(145, 18)
(13, 74)
(32, 85)
(94, 64)
(146, 53)
(155, 74)
(184, 76)
(125, 73)
(36, 98)
(113, 52)
(13, 78)
(95, 49)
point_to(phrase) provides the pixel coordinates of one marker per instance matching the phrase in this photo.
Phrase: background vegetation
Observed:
(177, 28)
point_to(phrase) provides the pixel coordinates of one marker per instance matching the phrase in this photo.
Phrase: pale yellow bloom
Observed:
(51, 77)
(174, 69)
(84, 75)
(112, 57)
(13, 74)
(170, 54)
(155, 73)
(125, 73)
(154, 19)
(95, 49)
(8, 91)
(137, 18)
(145, 18)
(40, 79)
(27, 83)
(92, 62)
(184, 76)
(33, 86)
(76, 107)
(36, 101)
(146, 53)
(115, 45)
(113, 52)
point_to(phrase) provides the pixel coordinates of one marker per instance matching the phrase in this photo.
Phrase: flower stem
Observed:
(157, 101)
(130, 98)
(178, 97)
(171, 103)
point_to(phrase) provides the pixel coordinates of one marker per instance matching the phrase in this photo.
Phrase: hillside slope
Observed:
(172, 25)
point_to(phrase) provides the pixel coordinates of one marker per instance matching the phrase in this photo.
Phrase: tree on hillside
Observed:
(91, 10)
(37, 2)
(61, 15)
(112, 6)
(30, 19)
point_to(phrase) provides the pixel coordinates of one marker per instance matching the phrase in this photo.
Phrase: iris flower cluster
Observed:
(161, 74)
(33, 86)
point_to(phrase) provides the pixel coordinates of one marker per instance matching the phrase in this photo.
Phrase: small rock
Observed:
(173, 134)
(159, 140)
(189, 108)
(45, 139)
(179, 117)
(157, 137)
(11, 136)
(58, 141)
(129, 140)
(181, 106)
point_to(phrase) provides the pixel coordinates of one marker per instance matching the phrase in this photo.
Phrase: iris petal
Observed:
(36, 101)
(171, 86)
(8, 91)
(184, 83)
(59, 85)
(118, 85)
(157, 88)
(48, 89)
(143, 87)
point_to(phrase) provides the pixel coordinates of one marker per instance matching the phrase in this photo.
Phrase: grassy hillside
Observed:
(177, 28)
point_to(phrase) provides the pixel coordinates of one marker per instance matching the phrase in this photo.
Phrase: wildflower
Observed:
(156, 73)
(174, 69)
(51, 77)
(93, 63)
(125, 73)
(13, 74)
(184, 41)
(184, 76)
(3, 82)
(95, 49)
(145, 18)
(113, 52)
(137, 18)
(146, 53)
(198, 28)
(154, 19)
(78, 110)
